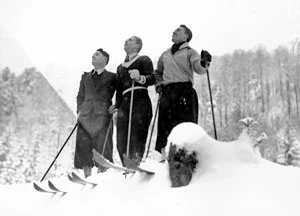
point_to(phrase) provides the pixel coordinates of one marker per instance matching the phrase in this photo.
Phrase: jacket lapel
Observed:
(90, 79)
(102, 79)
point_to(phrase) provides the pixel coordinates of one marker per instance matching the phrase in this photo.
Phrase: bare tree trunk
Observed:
(244, 105)
(296, 97)
(262, 86)
(226, 114)
(288, 97)
(280, 83)
(268, 92)
(297, 83)
(204, 118)
(220, 114)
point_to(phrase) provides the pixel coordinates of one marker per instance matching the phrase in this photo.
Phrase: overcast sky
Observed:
(64, 33)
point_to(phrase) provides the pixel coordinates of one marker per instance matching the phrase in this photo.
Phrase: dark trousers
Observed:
(178, 103)
(85, 143)
(140, 121)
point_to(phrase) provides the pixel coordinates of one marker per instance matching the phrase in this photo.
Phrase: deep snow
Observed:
(230, 179)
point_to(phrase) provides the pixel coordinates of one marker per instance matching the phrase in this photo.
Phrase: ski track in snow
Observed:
(230, 179)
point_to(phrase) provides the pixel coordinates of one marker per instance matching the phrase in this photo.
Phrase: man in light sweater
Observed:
(174, 81)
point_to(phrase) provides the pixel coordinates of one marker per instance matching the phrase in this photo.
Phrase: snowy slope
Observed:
(230, 179)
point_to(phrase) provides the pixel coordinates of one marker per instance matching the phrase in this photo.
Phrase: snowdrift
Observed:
(230, 179)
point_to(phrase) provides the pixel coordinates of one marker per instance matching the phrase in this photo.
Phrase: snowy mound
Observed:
(212, 155)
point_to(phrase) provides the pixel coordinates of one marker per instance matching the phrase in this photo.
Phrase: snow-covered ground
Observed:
(230, 179)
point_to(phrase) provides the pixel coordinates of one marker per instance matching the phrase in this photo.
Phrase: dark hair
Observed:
(188, 32)
(104, 53)
(139, 42)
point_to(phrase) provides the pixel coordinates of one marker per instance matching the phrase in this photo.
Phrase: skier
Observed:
(138, 70)
(174, 81)
(94, 110)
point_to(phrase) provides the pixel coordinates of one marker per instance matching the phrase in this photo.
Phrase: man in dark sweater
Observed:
(94, 110)
(139, 71)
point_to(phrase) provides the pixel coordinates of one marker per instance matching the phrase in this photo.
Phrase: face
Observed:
(98, 59)
(179, 35)
(130, 45)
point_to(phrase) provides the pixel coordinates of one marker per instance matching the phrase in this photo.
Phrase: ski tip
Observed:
(69, 176)
(148, 172)
(76, 178)
(72, 179)
(73, 174)
(35, 186)
(54, 188)
(95, 153)
(39, 189)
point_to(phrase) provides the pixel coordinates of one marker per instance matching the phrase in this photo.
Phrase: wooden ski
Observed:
(104, 162)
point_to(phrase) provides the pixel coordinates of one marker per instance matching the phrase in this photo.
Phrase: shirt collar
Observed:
(132, 55)
(127, 64)
(184, 45)
(98, 71)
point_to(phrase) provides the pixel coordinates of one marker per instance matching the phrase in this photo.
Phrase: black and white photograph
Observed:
(149, 108)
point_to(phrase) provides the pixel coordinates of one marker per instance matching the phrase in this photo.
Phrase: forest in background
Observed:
(34, 122)
(256, 83)
(264, 85)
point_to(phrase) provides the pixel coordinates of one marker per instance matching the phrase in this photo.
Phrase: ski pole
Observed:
(129, 120)
(156, 111)
(59, 151)
(212, 106)
(106, 135)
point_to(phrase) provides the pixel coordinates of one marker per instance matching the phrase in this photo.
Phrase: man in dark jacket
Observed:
(139, 71)
(94, 100)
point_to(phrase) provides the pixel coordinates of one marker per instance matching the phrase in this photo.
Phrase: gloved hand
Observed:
(205, 58)
(134, 74)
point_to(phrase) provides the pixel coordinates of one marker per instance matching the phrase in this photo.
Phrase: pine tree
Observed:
(293, 154)
(283, 147)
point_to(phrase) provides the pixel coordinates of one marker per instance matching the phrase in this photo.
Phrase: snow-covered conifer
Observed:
(283, 147)
(293, 154)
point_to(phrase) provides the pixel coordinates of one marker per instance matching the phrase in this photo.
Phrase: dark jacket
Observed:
(96, 96)
(95, 99)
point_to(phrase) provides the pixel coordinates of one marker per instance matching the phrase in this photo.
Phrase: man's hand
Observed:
(205, 59)
(205, 55)
(135, 74)
(111, 109)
